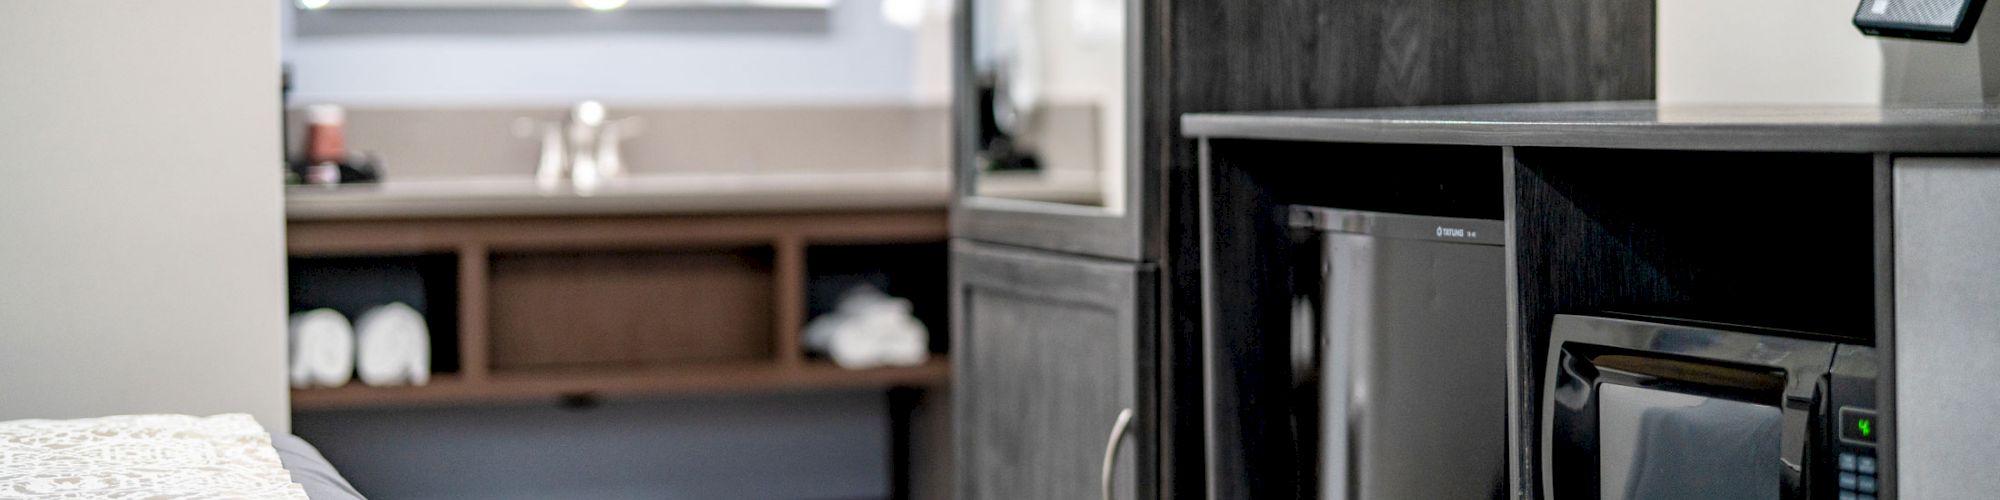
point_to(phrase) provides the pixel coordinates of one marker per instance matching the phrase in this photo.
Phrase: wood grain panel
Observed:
(555, 309)
(1289, 54)
(1047, 346)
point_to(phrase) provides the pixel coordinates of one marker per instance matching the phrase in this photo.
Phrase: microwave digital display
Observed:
(1655, 444)
(1857, 425)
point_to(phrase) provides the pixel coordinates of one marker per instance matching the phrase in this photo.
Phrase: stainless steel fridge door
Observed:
(1412, 356)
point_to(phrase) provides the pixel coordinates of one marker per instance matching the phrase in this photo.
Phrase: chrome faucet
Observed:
(584, 147)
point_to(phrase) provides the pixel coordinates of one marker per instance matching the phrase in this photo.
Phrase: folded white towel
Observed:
(322, 349)
(869, 329)
(394, 346)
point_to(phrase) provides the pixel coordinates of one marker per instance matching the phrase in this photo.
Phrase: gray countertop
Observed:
(638, 195)
(1630, 125)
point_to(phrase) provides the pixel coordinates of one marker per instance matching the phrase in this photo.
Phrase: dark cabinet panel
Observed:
(1046, 350)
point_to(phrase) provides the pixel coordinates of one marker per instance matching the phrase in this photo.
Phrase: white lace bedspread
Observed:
(142, 457)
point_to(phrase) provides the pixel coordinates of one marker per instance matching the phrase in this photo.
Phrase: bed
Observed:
(162, 456)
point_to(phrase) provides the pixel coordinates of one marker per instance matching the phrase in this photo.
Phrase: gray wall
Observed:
(544, 57)
(800, 446)
(143, 256)
(1947, 310)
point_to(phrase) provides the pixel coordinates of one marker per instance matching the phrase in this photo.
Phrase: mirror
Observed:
(563, 4)
(1051, 79)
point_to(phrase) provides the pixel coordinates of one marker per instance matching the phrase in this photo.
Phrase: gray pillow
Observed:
(311, 470)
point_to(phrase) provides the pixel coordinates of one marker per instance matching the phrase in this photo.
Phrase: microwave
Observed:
(1647, 408)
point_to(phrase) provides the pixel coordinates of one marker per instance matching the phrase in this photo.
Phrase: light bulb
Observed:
(903, 13)
(598, 4)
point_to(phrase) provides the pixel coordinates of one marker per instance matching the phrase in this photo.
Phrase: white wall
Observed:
(1807, 51)
(141, 227)
(1797, 51)
(849, 54)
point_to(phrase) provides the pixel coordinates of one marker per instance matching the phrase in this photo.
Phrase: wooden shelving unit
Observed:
(552, 384)
(550, 308)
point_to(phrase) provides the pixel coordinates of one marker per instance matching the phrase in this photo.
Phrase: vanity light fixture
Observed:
(313, 4)
(599, 5)
(906, 14)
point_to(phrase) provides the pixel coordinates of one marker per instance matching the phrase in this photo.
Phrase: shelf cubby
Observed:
(352, 284)
(547, 308)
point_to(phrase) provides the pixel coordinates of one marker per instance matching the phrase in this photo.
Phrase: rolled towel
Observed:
(322, 349)
(393, 346)
(869, 329)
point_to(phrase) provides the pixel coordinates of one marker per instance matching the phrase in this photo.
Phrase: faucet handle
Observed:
(553, 163)
(588, 113)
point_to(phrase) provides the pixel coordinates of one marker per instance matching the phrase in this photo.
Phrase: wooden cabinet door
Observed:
(1046, 355)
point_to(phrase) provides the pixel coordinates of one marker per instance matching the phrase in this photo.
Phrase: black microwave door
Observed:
(1638, 410)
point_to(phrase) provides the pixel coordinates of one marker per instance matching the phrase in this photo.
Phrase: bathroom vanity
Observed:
(633, 324)
(1687, 247)
(646, 285)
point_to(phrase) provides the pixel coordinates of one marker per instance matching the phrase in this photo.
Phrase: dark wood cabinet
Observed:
(1864, 232)
(1048, 352)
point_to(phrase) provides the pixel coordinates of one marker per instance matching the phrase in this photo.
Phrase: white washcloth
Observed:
(322, 349)
(393, 346)
(869, 329)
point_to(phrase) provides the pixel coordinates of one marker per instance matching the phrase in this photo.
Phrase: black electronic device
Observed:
(1636, 409)
(1940, 20)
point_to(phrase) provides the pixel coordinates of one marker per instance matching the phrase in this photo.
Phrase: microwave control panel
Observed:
(1858, 470)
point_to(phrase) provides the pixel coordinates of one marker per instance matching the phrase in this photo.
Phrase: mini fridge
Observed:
(1410, 353)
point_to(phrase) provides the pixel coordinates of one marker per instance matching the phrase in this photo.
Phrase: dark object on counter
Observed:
(1937, 20)
(355, 168)
(997, 150)
(327, 161)
(326, 141)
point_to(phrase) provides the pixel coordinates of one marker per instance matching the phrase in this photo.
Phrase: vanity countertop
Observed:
(649, 194)
(1630, 125)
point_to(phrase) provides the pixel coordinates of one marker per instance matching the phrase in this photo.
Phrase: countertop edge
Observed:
(626, 206)
(1945, 137)
(435, 199)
